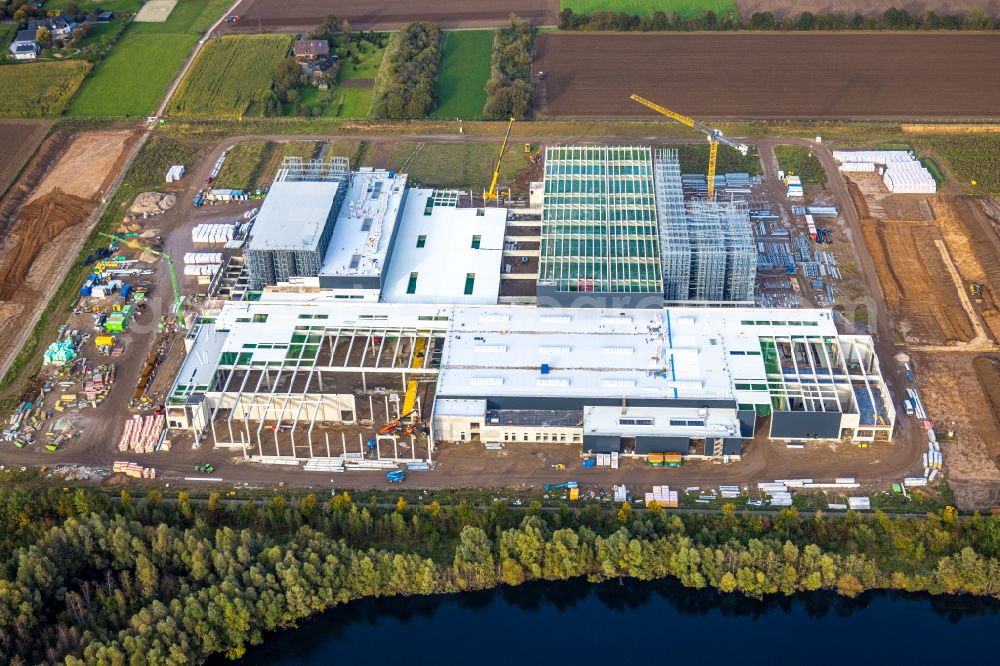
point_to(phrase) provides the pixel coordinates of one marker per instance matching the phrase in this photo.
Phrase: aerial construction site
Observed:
(668, 298)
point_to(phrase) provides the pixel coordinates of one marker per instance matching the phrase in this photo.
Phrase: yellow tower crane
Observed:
(491, 194)
(715, 137)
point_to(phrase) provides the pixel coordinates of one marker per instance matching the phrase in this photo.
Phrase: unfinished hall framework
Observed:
(830, 386)
(599, 240)
(326, 393)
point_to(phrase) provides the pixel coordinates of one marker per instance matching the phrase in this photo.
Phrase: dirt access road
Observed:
(771, 76)
(306, 15)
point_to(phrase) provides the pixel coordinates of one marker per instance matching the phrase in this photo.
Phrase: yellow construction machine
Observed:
(492, 194)
(715, 137)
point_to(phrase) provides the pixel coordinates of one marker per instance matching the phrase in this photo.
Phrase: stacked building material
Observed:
(142, 434)
(324, 465)
(213, 234)
(134, 470)
(662, 496)
(202, 257)
(859, 504)
(175, 173)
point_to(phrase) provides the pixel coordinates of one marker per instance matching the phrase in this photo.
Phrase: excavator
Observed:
(395, 424)
(715, 137)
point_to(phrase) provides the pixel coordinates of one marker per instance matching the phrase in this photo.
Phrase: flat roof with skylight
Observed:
(294, 215)
(444, 254)
(364, 229)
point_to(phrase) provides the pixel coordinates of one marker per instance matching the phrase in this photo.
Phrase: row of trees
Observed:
(409, 72)
(891, 19)
(508, 91)
(144, 582)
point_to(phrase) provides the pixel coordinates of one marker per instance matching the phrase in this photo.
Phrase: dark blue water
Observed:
(576, 623)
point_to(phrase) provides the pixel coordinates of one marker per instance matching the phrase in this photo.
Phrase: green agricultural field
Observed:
(39, 89)
(686, 8)
(800, 161)
(242, 165)
(465, 68)
(693, 158)
(232, 76)
(7, 32)
(461, 165)
(193, 16)
(970, 158)
(132, 80)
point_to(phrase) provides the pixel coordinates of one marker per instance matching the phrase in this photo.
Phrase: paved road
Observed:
(191, 58)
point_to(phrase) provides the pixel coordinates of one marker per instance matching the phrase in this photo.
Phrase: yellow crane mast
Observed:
(715, 137)
(491, 194)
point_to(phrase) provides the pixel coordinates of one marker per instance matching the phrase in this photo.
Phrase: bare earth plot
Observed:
(865, 7)
(915, 241)
(297, 15)
(46, 229)
(757, 75)
(18, 141)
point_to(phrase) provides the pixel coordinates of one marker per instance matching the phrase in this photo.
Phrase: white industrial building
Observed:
(445, 254)
(696, 381)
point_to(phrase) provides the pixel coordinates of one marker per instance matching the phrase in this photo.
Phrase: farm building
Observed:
(600, 243)
(24, 46)
(307, 50)
(678, 379)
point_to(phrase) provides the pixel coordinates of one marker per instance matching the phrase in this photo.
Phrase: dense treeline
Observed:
(144, 582)
(508, 92)
(891, 19)
(409, 71)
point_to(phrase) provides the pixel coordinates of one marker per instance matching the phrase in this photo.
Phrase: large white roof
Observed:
(293, 215)
(499, 350)
(365, 225)
(436, 243)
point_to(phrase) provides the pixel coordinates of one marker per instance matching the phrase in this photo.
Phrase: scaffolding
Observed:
(675, 245)
(599, 231)
(706, 247)
(295, 169)
(291, 234)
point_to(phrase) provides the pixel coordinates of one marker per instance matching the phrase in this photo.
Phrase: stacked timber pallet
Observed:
(133, 470)
(142, 434)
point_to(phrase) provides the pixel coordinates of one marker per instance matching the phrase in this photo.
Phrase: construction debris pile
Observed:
(148, 204)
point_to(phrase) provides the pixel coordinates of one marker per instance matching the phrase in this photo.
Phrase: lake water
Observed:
(576, 623)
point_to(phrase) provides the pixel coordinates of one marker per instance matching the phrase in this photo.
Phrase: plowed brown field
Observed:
(301, 15)
(756, 75)
(18, 141)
